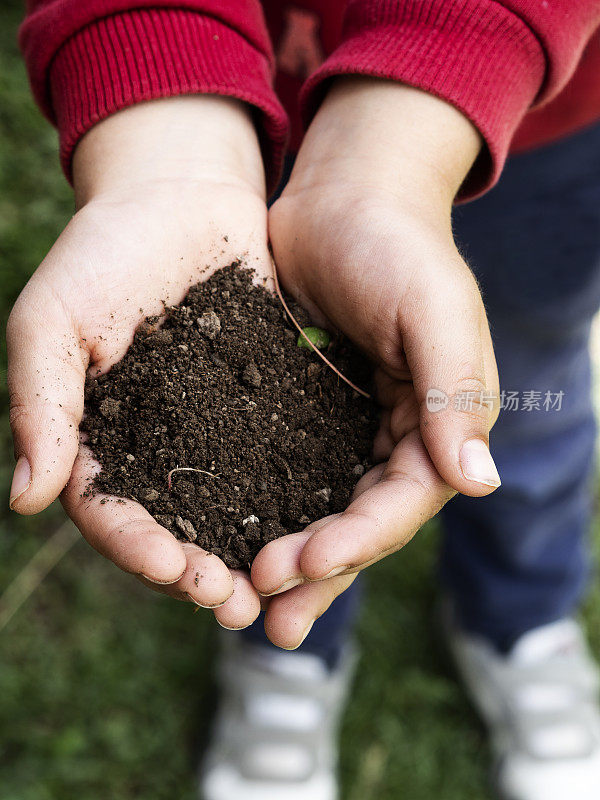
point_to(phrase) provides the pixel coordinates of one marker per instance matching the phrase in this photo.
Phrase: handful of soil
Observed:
(223, 428)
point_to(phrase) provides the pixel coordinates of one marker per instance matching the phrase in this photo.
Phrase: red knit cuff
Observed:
(474, 54)
(142, 55)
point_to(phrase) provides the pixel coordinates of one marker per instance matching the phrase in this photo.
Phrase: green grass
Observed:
(106, 688)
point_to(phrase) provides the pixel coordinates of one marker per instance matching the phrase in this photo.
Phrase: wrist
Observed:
(195, 139)
(379, 134)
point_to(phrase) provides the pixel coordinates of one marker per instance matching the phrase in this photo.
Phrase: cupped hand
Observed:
(167, 192)
(362, 236)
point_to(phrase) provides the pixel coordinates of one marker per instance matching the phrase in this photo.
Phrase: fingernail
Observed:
(477, 463)
(231, 629)
(289, 584)
(201, 605)
(21, 480)
(304, 635)
(331, 574)
(162, 583)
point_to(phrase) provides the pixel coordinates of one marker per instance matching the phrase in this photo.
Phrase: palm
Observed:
(115, 263)
(118, 262)
(362, 266)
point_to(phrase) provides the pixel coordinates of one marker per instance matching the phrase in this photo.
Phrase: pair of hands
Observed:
(361, 236)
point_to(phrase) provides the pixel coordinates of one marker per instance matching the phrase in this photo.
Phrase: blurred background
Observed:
(105, 688)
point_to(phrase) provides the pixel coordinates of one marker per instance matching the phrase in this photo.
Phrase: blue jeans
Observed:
(520, 558)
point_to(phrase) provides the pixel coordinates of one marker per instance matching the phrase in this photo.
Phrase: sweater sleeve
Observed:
(491, 59)
(87, 59)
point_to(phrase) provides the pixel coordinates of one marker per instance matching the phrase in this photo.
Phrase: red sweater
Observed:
(524, 71)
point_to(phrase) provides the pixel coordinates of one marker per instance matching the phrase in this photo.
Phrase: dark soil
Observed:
(222, 386)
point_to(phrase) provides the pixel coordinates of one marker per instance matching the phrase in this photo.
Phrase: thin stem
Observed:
(316, 349)
(37, 568)
(189, 469)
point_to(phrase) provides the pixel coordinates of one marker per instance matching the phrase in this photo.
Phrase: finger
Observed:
(242, 608)
(206, 581)
(382, 519)
(383, 444)
(276, 567)
(369, 479)
(449, 350)
(401, 412)
(291, 615)
(121, 530)
(46, 375)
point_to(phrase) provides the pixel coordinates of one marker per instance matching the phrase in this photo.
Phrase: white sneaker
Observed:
(275, 734)
(540, 705)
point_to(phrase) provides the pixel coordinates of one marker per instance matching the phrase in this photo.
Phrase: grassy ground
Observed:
(105, 687)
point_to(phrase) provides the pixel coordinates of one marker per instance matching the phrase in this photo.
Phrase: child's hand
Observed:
(158, 188)
(362, 236)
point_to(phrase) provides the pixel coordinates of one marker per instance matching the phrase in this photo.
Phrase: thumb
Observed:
(46, 375)
(449, 351)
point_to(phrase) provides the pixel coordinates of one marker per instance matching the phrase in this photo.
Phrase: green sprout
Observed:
(317, 336)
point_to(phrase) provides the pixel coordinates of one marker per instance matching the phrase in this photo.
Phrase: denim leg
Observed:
(519, 558)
